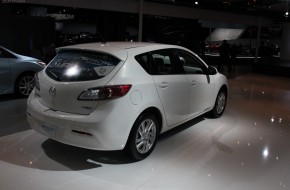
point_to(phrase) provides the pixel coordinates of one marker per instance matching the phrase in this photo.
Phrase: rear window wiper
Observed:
(54, 75)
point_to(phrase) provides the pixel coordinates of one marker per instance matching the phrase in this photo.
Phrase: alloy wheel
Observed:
(146, 136)
(221, 102)
(26, 85)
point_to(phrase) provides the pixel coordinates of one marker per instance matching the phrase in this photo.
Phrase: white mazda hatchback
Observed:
(122, 95)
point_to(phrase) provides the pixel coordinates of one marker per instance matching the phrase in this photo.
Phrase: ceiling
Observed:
(275, 9)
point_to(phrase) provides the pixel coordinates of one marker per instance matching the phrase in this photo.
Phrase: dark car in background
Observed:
(17, 72)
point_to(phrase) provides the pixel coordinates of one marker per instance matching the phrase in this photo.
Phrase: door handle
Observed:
(163, 84)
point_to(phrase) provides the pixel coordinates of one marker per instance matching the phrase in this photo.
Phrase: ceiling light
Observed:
(196, 2)
(265, 152)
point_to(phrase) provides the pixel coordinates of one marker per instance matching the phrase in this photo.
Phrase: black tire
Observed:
(146, 139)
(24, 84)
(220, 104)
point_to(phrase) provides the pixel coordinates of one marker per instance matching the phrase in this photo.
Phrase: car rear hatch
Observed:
(71, 73)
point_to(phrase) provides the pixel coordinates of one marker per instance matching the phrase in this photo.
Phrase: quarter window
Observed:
(144, 61)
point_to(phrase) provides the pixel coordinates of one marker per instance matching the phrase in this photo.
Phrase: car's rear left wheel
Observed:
(143, 137)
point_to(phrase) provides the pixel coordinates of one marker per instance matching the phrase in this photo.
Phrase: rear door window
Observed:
(80, 66)
(160, 62)
(165, 62)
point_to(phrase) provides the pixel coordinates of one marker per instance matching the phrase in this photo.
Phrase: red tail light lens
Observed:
(106, 92)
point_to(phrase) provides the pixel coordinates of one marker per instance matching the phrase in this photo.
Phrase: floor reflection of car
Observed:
(122, 95)
(17, 72)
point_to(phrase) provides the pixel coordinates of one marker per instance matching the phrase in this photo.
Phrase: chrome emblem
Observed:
(52, 91)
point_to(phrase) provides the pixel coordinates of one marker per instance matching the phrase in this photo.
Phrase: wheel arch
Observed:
(23, 73)
(150, 110)
(156, 112)
(28, 72)
(130, 147)
(225, 88)
(213, 113)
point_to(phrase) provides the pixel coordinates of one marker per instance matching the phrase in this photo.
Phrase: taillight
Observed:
(106, 92)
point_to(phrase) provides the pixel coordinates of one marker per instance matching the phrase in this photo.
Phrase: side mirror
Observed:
(211, 70)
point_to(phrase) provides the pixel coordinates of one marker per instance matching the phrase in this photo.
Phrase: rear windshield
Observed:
(80, 66)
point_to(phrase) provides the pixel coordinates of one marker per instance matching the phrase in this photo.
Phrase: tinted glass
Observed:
(144, 61)
(164, 63)
(190, 63)
(80, 66)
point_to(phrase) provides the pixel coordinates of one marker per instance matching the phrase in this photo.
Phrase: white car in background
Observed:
(17, 72)
(122, 95)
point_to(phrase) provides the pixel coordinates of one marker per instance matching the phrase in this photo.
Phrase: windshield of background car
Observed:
(70, 66)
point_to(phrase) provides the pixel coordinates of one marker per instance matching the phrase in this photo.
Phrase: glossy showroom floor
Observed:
(247, 148)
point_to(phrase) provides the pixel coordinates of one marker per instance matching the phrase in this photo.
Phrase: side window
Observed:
(190, 63)
(164, 63)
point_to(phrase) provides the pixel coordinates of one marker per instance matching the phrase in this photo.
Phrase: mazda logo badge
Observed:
(52, 91)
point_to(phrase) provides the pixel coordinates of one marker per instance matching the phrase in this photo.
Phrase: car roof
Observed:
(9, 51)
(103, 46)
(118, 49)
(18, 56)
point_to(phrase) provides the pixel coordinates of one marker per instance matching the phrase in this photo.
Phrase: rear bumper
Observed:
(101, 130)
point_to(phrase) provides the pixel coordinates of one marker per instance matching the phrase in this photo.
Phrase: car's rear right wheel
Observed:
(143, 137)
